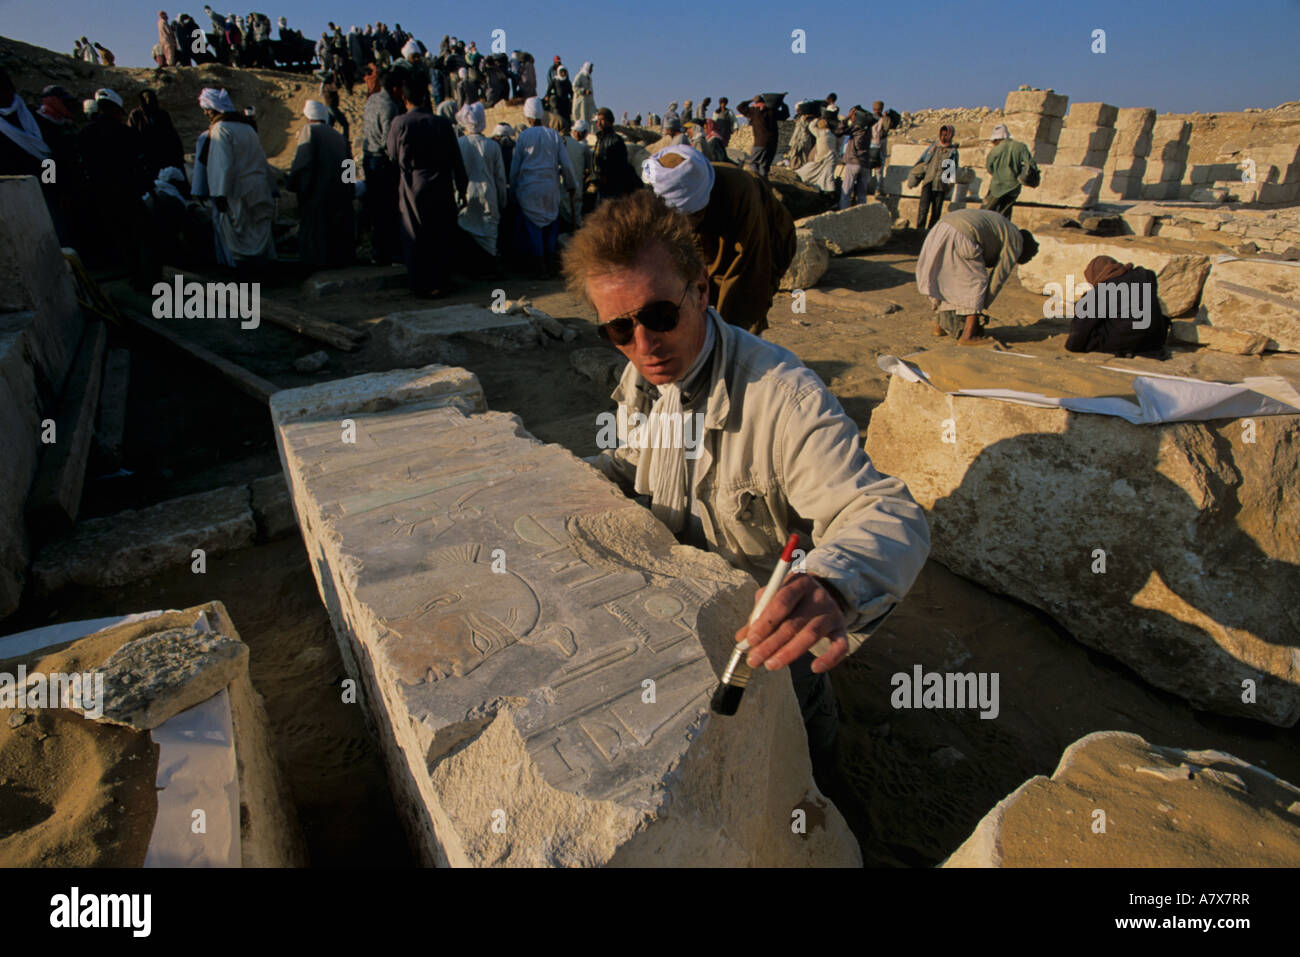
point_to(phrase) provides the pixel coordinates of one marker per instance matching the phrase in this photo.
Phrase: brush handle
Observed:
(774, 584)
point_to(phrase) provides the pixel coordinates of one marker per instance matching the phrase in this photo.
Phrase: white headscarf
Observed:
(581, 127)
(27, 135)
(316, 110)
(104, 93)
(686, 186)
(1000, 132)
(586, 67)
(472, 118)
(168, 180)
(533, 109)
(661, 472)
(219, 100)
(411, 47)
(503, 129)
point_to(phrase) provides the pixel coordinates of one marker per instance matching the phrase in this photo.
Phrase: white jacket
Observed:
(780, 455)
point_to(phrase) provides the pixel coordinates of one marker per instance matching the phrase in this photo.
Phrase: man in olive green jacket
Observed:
(1009, 165)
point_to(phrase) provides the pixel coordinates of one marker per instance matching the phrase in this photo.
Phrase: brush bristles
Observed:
(726, 699)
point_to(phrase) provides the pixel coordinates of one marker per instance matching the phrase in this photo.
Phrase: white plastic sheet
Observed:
(1160, 397)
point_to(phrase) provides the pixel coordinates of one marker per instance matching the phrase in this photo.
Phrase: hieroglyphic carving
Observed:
(464, 613)
(569, 635)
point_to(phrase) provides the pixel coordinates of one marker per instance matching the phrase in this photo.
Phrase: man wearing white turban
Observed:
(684, 186)
(326, 226)
(238, 181)
(746, 233)
(486, 197)
(584, 99)
(539, 170)
(112, 155)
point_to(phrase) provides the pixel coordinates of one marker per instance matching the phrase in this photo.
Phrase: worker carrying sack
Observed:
(776, 102)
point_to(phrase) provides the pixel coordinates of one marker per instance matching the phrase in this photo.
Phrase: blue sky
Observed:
(1174, 56)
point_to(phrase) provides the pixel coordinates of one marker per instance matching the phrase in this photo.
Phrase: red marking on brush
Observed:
(790, 545)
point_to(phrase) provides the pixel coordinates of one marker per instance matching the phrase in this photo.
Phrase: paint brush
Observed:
(727, 698)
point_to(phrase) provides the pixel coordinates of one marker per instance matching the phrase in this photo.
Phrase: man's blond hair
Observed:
(621, 231)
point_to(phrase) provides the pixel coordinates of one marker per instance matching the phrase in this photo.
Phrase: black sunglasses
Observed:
(661, 316)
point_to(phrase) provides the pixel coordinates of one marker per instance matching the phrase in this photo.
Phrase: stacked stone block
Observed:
(1270, 175)
(1168, 159)
(1035, 118)
(1127, 159)
(1087, 136)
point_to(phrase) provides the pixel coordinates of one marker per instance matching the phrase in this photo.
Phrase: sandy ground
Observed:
(73, 792)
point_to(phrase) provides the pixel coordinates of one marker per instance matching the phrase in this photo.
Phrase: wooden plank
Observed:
(247, 382)
(55, 496)
(110, 429)
(286, 316)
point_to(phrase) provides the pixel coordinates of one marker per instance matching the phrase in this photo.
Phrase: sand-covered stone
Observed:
(150, 679)
(1180, 266)
(604, 367)
(1116, 800)
(420, 335)
(811, 260)
(1256, 296)
(1220, 340)
(432, 385)
(134, 544)
(851, 230)
(1182, 558)
(538, 654)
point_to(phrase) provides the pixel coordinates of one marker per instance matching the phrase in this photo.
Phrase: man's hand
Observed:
(800, 614)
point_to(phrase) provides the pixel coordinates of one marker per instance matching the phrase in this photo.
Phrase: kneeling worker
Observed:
(954, 268)
(1120, 314)
(746, 232)
(777, 453)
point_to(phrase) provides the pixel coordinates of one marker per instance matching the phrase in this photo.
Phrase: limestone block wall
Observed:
(1168, 159)
(1035, 118)
(1087, 136)
(1126, 159)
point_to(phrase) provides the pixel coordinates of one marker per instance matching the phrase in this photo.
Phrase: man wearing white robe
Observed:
(486, 197)
(584, 100)
(239, 182)
(539, 170)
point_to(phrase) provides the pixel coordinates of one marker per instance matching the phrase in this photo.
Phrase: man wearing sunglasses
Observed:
(776, 452)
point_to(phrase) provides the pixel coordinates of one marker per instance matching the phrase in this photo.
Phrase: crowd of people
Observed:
(443, 195)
